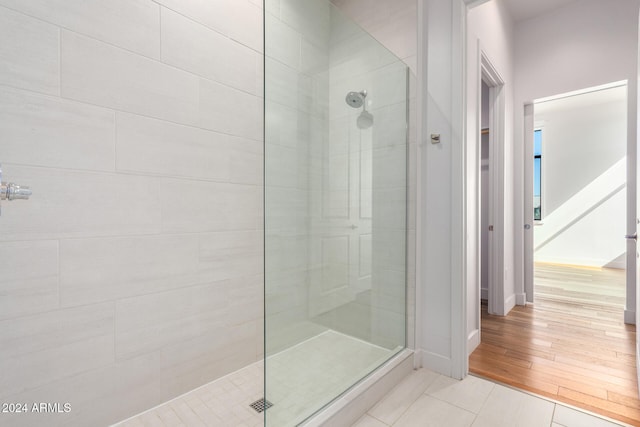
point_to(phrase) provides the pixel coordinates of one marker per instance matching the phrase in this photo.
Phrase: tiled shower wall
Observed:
(361, 216)
(134, 273)
(296, 117)
(394, 24)
(314, 58)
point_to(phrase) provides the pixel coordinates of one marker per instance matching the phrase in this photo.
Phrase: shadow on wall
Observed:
(584, 230)
(619, 262)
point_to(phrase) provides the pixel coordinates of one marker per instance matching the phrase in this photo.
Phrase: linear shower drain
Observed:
(261, 405)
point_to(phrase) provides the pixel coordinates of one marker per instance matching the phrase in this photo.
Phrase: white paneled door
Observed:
(345, 243)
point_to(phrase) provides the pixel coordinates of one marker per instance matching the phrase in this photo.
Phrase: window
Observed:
(537, 175)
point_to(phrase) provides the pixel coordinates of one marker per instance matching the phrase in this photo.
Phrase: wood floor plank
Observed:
(510, 376)
(572, 345)
(497, 358)
(530, 356)
(621, 411)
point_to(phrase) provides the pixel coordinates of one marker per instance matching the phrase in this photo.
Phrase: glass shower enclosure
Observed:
(336, 109)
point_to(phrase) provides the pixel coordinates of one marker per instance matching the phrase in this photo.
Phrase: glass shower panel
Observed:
(335, 206)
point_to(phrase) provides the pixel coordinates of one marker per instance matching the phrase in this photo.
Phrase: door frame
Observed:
(527, 202)
(490, 75)
(487, 72)
(527, 167)
(632, 312)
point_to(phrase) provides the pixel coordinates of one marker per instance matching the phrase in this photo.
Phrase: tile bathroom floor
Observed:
(301, 379)
(224, 402)
(309, 375)
(428, 399)
(422, 399)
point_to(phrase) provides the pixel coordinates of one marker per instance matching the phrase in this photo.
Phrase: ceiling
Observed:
(579, 100)
(526, 9)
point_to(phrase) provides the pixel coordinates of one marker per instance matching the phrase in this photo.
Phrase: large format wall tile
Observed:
(31, 334)
(311, 18)
(47, 347)
(132, 24)
(154, 321)
(207, 53)
(248, 24)
(105, 75)
(161, 148)
(245, 300)
(152, 146)
(246, 161)
(238, 19)
(287, 167)
(197, 206)
(229, 110)
(80, 204)
(288, 87)
(53, 132)
(215, 14)
(30, 284)
(230, 254)
(393, 22)
(105, 269)
(97, 397)
(188, 364)
(283, 44)
(29, 53)
(135, 270)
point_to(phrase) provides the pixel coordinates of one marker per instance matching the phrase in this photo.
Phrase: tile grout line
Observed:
(78, 102)
(170, 401)
(62, 27)
(553, 414)
(555, 402)
(424, 393)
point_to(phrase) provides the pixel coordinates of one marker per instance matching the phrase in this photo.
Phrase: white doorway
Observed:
(577, 144)
(485, 193)
(491, 195)
(486, 200)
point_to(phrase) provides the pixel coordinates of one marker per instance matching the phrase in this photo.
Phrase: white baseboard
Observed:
(630, 317)
(473, 341)
(509, 303)
(417, 359)
(521, 299)
(436, 363)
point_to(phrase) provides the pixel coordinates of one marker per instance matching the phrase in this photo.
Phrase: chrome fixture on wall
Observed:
(11, 191)
(357, 100)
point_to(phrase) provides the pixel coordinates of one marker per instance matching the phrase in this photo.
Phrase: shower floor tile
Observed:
(224, 402)
(303, 378)
(299, 380)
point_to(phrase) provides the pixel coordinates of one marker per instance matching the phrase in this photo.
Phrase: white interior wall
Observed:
(440, 258)
(134, 273)
(583, 44)
(489, 30)
(584, 140)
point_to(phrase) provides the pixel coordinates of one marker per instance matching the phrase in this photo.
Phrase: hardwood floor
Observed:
(571, 345)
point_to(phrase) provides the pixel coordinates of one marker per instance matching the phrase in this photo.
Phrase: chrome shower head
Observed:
(365, 120)
(356, 99)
